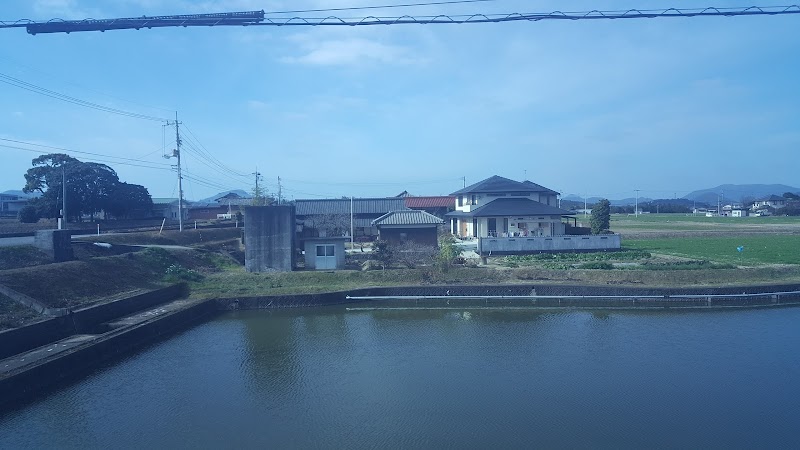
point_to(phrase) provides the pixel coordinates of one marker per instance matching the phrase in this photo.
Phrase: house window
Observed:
(475, 227)
(474, 202)
(460, 200)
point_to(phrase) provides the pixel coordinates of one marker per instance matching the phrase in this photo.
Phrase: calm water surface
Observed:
(429, 379)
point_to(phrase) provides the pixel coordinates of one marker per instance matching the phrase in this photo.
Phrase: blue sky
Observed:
(665, 106)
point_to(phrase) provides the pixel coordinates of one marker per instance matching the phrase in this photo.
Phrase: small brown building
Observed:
(408, 226)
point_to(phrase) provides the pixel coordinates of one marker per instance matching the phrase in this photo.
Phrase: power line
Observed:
(16, 82)
(84, 153)
(92, 159)
(63, 80)
(358, 8)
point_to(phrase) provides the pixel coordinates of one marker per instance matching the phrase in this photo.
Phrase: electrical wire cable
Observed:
(7, 79)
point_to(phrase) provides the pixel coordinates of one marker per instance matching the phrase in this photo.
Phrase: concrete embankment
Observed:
(542, 296)
(80, 353)
(83, 320)
(82, 341)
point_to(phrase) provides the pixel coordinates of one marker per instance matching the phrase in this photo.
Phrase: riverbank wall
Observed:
(83, 320)
(30, 380)
(531, 296)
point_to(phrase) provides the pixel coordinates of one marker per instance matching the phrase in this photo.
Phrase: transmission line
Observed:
(7, 79)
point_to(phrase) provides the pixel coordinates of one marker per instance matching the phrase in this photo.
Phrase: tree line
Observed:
(91, 188)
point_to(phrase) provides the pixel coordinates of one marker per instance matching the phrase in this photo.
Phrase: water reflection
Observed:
(440, 378)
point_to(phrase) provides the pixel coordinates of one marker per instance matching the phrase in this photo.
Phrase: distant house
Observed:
(168, 208)
(408, 226)
(10, 204)
(225, 207)
(740, 212)
(436, 205)
(773, 201)
(332, 217)
(500, 207)
(509, 216)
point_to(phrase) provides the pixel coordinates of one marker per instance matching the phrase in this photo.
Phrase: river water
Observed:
(332, 378)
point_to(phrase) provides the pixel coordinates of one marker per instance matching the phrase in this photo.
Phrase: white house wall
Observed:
(483, 199)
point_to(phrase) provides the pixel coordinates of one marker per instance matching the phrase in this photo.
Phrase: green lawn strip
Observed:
(238, 283)
(757, 249)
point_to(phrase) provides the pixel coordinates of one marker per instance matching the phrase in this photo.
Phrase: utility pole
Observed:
(352, 241)
(636, 208)
(279, 190)
(464, 179)
(585, 204)
(177, 154)
(257, 192)
(62, 223)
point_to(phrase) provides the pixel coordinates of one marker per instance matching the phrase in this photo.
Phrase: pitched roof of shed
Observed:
(430, 202)
(342, 206)
(409, 217)
(513, 207)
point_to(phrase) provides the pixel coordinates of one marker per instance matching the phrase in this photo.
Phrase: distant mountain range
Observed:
(728, 193)
(737, 193)
(20, 193)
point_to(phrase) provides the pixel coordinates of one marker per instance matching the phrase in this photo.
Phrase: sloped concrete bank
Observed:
(29, 380)
(83, 320)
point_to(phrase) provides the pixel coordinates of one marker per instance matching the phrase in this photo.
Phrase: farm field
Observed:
(668, 225)
(756, 249)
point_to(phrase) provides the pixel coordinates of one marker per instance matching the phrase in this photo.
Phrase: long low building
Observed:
(334, 217)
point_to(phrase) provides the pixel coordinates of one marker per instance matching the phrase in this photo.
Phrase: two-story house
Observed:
(500, 207)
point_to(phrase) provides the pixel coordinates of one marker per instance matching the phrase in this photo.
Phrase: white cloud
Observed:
(63, 9)
(352, 51)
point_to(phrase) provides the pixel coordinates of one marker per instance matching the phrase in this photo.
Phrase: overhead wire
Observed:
(361, 8)
(112, 158)
(16, 82)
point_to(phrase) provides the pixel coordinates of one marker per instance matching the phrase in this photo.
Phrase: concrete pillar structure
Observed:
(269, 238)
(56, 243)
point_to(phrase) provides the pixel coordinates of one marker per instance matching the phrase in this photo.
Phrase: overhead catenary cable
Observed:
(361, 8)
(258, 18)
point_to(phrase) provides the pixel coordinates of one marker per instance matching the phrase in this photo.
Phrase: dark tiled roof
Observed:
(430, 202)
(342, 206)
(411, 217)
(513, 207)
(500, 184)
(539, 187)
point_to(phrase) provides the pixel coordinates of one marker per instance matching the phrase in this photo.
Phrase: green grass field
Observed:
(758, 249)
(684, 222)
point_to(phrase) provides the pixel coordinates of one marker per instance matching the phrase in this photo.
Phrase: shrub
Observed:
(371, 264)
(28, 214)
(412, 254)
(602, 265)
(176, 272)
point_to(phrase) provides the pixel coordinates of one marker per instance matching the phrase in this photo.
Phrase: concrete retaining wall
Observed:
(32, 379)
(637, 297)
(85, 320)
(499, 246)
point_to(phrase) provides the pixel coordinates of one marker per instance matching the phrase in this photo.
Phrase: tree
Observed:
(91, 188)
(129, 200)
(791, 196)
(601, 217)
(28, 214)
(382, 251)
(448, 251)
(331, 224)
